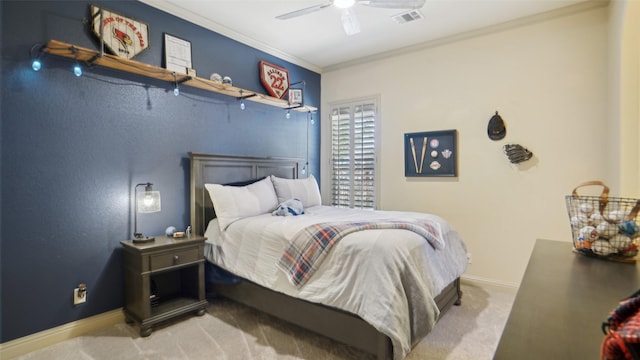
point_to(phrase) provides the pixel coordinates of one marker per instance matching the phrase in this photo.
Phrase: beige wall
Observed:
(625, 85)
(549, 81)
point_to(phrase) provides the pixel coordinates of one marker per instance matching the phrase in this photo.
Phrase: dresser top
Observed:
(562, 302)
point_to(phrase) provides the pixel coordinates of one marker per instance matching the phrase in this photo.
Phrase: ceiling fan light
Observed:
(344, 4)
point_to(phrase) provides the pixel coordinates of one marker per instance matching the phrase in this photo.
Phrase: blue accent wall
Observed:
(72, 149)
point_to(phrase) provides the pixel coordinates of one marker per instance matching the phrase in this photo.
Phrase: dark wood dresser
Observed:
(561, 303)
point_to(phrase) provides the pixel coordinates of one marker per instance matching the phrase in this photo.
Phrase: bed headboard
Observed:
(225, 169)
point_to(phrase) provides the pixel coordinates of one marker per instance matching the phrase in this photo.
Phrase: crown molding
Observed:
(523, 21)
(178, 11)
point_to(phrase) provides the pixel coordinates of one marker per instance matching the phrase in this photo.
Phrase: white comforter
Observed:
(387, 277)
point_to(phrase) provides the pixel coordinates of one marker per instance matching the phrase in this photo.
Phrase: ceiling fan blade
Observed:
(303, 11)
(350, 22)
(394, 4)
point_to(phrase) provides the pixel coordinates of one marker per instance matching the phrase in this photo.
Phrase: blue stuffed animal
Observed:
(291, 207)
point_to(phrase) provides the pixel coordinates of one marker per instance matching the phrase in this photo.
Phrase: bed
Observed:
(334, 319)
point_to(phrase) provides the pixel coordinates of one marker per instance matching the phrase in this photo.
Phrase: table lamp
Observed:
(147, 201)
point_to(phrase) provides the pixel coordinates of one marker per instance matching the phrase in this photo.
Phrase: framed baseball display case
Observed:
(430, 153)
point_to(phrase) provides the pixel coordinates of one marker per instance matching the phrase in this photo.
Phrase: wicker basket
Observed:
(604, 226)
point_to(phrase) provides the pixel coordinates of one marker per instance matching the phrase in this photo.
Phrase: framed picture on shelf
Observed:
(430, 153)
(296, 97)
(177, 54)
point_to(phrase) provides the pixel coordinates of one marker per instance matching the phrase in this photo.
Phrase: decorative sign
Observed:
(431, 153)
(274, 79)
(123, 36)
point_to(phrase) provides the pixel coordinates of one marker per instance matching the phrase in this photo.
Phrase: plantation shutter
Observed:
(353, 155)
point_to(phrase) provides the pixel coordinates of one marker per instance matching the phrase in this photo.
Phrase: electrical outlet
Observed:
(79, 296)
(468, 258)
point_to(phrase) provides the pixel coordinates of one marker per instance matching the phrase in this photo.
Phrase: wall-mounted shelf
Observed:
(63, 49)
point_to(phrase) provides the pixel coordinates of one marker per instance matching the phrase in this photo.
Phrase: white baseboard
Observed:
(27, 344)
(510, 288)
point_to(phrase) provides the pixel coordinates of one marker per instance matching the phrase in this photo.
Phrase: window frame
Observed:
(352, 104)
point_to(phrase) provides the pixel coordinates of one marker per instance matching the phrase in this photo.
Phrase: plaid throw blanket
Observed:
(311, 245)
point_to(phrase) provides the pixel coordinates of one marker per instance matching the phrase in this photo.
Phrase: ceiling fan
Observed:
(349, 19)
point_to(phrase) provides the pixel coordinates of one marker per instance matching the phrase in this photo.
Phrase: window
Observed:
(353, 154)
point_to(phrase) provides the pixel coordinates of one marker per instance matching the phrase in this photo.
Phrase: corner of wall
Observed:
(624, 27)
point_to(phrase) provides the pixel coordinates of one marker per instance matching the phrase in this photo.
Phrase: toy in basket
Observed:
(604, 226)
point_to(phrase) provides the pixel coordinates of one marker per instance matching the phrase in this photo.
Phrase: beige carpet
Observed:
(231, 331)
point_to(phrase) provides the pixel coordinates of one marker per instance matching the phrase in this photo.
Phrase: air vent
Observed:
(408, 16)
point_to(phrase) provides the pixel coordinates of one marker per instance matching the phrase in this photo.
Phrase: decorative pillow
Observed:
(232, 203)
(304, 189)
(291, 207)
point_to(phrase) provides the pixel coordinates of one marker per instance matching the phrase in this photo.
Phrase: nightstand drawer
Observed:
(174, 258)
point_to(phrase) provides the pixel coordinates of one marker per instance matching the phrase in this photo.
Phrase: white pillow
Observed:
(233, 203)
(304, 189)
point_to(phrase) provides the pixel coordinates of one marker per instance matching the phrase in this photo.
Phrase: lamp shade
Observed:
(148, 201)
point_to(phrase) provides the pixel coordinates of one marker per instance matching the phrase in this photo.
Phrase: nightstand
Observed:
(163, 279)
